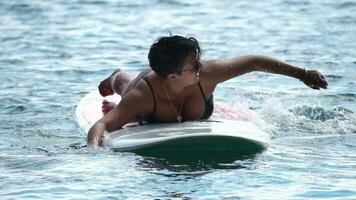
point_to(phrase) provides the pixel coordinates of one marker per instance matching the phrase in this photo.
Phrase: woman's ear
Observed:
(172, 77)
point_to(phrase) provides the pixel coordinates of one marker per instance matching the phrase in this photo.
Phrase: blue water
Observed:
(54, 52)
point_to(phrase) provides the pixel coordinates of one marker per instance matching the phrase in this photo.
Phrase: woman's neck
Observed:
(172, 87)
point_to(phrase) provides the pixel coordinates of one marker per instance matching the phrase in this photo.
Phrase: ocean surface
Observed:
(52, 53)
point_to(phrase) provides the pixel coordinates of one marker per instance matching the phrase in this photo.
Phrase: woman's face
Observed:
(191, 68)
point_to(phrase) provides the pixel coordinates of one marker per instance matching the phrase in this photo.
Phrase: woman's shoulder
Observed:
(144, 85)
(139, 95)
(210, 71)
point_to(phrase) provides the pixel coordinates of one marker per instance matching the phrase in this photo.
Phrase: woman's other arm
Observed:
(129, 107)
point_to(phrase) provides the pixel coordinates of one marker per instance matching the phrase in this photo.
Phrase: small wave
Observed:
(176, 3)
(320, 113)
(67, 72)
(306, 120)
(333, 76)
(13, 61)
(93, 2)
(348, 5)
(340, 95)
(319, 120)
(13, 109)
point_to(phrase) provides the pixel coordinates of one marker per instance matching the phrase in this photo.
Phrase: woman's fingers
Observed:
(322, 82)
(316, 80)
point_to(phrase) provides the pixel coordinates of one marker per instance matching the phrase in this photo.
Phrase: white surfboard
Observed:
(202, 137)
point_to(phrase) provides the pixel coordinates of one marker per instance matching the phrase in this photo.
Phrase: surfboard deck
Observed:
(218, 138)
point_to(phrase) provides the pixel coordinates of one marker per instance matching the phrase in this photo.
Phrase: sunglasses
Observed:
(195, 69)
(197, 65)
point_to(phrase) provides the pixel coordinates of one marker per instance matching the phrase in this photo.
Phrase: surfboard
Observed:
(196, 138)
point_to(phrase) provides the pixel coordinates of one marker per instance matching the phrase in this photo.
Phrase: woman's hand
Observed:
(96, 142)
(314, 79)
(96, 134)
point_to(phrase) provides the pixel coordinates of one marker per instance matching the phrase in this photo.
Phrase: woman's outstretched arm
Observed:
(226, 69)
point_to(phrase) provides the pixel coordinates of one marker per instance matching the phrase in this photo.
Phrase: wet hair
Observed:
(167, 54)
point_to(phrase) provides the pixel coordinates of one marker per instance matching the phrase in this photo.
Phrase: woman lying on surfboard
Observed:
(179, 85)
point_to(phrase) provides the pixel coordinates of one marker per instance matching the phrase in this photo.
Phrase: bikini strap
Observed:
(209, 104)
(153, 94)
(202, 92)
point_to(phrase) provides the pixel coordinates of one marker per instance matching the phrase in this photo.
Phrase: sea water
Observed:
(54, 52)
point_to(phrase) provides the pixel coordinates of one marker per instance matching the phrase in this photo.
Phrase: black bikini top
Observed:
(209, 105)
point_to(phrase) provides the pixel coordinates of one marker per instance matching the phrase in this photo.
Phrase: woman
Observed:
(179, 86)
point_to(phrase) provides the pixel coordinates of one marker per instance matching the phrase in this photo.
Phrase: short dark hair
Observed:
(167, 54)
